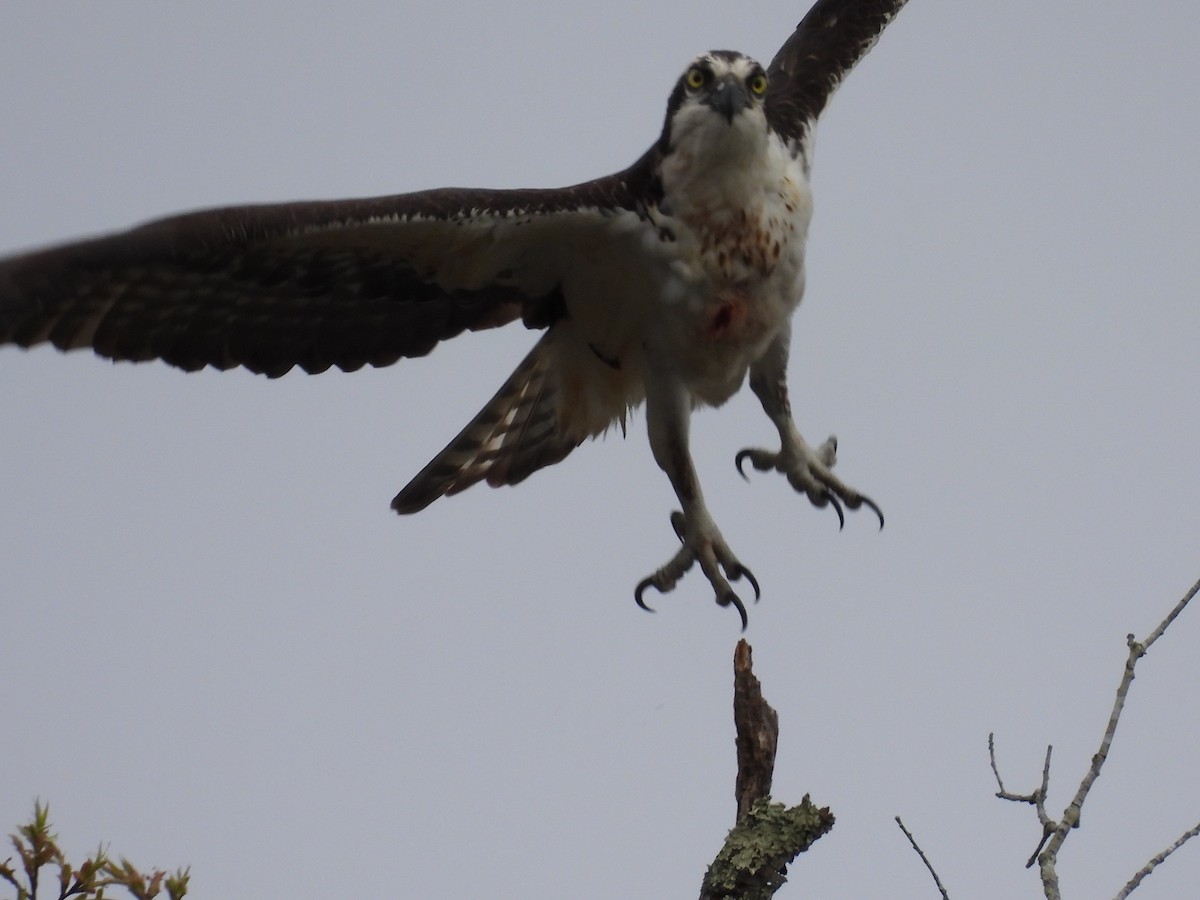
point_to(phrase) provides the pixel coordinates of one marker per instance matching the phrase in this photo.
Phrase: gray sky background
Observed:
(219, 647)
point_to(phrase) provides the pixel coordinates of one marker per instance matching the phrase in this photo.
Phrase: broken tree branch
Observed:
(757, 733)
(752, 865)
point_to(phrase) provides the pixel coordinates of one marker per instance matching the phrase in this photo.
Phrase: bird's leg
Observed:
(668, 413)
(808, 470)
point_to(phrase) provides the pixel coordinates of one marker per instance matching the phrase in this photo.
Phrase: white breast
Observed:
(698, 291)
(738, 267)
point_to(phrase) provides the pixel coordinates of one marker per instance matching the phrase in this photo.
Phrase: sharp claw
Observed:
(742, 456)
(837, 508)
(861, 500)
(709, 549)
(875, 509)
(641, 589)
(814, 479)
(739, 571)
(679, 523)
(732, 599)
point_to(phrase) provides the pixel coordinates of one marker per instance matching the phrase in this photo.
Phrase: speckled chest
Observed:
(739, 230)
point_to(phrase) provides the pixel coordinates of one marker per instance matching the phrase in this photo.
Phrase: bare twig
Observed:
(1070, 817)
(925, 859)
(1055, 833)
(1150, 866)
(1043, 817)
(1036, 799)
(1158, 632)
(1002, 793)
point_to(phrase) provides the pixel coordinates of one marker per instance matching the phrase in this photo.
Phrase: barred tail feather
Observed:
(512, 437)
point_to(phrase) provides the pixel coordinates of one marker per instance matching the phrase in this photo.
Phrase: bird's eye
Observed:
(757, 84)
(696, 77)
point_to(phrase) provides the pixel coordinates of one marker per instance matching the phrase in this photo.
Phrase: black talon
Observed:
(861, 500)
(875, 509)
(641, 589)
(732, 599)
(679, 523)
(837, 508)
(739, 571)
(739, 459)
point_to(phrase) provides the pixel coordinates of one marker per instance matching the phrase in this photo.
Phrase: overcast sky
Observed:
(219, 647)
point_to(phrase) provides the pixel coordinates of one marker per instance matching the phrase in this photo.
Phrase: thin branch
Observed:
(1037, 799)
(1158, 632)
(1048, 824)
(1002, 793)
(1047, 854)
(921, 853)
(1150, 866)
(1070, 817)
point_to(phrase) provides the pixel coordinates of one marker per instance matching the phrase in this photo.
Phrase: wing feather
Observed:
(518, 432)
(826, 45)
(316, 284)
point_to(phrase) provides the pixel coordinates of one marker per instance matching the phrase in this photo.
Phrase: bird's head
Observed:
(719, 97)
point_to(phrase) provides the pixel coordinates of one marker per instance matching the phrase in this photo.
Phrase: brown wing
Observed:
(517, 433)
(335, 283)
(826, 45)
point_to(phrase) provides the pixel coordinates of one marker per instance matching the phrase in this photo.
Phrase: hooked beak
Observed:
(728, 97)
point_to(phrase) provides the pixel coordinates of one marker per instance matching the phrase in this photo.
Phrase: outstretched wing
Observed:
(826, 45)
(342, 283)
(517, 433)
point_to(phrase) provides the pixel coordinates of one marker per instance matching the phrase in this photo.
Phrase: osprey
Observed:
(666, 283)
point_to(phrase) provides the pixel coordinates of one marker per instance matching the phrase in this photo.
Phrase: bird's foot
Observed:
(810, 472)
(702, 543)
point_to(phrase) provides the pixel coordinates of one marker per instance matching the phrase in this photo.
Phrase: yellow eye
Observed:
(696, 77)
(757, 84)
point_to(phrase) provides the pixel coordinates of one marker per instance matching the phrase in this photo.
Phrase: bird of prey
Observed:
(666, 283)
